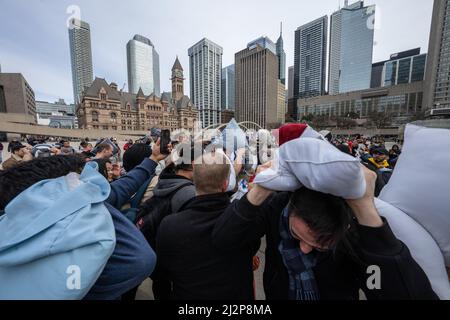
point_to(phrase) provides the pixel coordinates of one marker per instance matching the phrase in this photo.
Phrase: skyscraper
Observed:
(257, 85)
(228, 90)
(16, 95)
(290, 93)
(205, 61)
(81, 57)
(264, 42)
(143, 66)
(437, 84)
(351, 48)
(281, 58)
(404, 69)
(310, 58)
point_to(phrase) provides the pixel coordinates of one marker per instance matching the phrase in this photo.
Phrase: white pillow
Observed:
(317, 165)
(233, 138)
(420, 184)
(421, 244)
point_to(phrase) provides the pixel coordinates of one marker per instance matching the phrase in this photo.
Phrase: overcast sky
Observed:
(34, 38)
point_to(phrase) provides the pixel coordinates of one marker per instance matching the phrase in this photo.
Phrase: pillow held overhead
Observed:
(314, 163)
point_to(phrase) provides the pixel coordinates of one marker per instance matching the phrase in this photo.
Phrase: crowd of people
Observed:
(193, 221)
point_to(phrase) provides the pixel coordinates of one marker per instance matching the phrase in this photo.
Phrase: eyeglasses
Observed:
(300, 239)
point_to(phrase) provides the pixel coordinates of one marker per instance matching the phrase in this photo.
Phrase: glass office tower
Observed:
(143, 66)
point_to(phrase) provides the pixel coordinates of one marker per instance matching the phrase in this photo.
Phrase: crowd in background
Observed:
(195, 227)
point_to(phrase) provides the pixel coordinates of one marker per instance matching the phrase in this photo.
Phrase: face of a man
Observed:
(380, 157)
(20, 152)
(306, 237)
(108, 153)
(66, 144)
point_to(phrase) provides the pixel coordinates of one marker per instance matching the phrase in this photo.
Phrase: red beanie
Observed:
(291, 132)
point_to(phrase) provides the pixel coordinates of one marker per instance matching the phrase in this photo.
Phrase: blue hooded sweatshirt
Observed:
(133, 260)
(56, 238)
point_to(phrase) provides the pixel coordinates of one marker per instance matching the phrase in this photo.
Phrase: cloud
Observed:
(34, 38)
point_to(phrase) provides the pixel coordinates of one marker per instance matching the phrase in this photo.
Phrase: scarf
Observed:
(302, 283)
(384, 164)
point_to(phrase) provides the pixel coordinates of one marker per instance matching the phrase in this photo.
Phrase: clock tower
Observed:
(177, 81)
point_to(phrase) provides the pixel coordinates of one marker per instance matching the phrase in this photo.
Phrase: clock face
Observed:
(178, 74)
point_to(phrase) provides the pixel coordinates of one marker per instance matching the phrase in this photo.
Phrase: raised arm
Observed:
(386, 257)
(124, 188)
(246, 220)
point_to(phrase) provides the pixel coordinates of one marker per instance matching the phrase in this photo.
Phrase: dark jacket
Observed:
(170, 195)
(197, 269)
(180, 189)
(133, 260)
(339, 274)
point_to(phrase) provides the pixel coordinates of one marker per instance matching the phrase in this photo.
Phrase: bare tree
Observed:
(380, 119)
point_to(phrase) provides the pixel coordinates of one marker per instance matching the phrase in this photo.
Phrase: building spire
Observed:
(281, 28)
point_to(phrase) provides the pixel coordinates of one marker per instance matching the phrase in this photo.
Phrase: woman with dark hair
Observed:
(107, 169)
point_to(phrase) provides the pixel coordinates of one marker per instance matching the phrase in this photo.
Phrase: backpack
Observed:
(132, 212)
(153, 211)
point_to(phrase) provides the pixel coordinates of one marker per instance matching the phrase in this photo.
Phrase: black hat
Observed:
(17, 146)
(380, 150)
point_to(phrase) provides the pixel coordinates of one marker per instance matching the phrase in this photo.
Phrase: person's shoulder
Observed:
(175, 220)
(9, 161)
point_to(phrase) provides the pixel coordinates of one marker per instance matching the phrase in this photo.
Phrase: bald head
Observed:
(211, 173)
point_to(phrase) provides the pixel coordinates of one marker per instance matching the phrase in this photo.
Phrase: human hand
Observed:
(156, 151)
(364, 208)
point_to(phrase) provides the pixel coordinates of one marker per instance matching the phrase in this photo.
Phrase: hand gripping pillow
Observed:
(421, 244)
(317, 165)
(420, 184)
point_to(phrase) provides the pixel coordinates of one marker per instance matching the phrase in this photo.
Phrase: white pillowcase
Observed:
(317, 165)
(421, 244)
(233, 138)
(420, 184)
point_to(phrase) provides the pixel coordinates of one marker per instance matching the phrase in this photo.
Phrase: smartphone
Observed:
(165, 141)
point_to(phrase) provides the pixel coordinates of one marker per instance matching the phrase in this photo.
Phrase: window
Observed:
(103, 96)
(113, 117)
(308, 42)
(105, 127)
(308, 62)
(94, 116)
(2, 99)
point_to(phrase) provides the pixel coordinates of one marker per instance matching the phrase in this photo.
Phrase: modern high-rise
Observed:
(205, 68)
(281, 54)
(57, 114)
(385, 73)
(264, 42)
(228, 88)
(16, 95)
(81, 58)
(281, 103)
(310, 58)
(257, 85)
(143, 66)
(437, 80)
(351, 48)
(290, 93)
(404, 70)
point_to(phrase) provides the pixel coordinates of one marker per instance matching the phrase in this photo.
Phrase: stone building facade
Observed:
(104, 107)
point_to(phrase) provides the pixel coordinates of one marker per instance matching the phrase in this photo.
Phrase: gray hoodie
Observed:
(181, 189)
